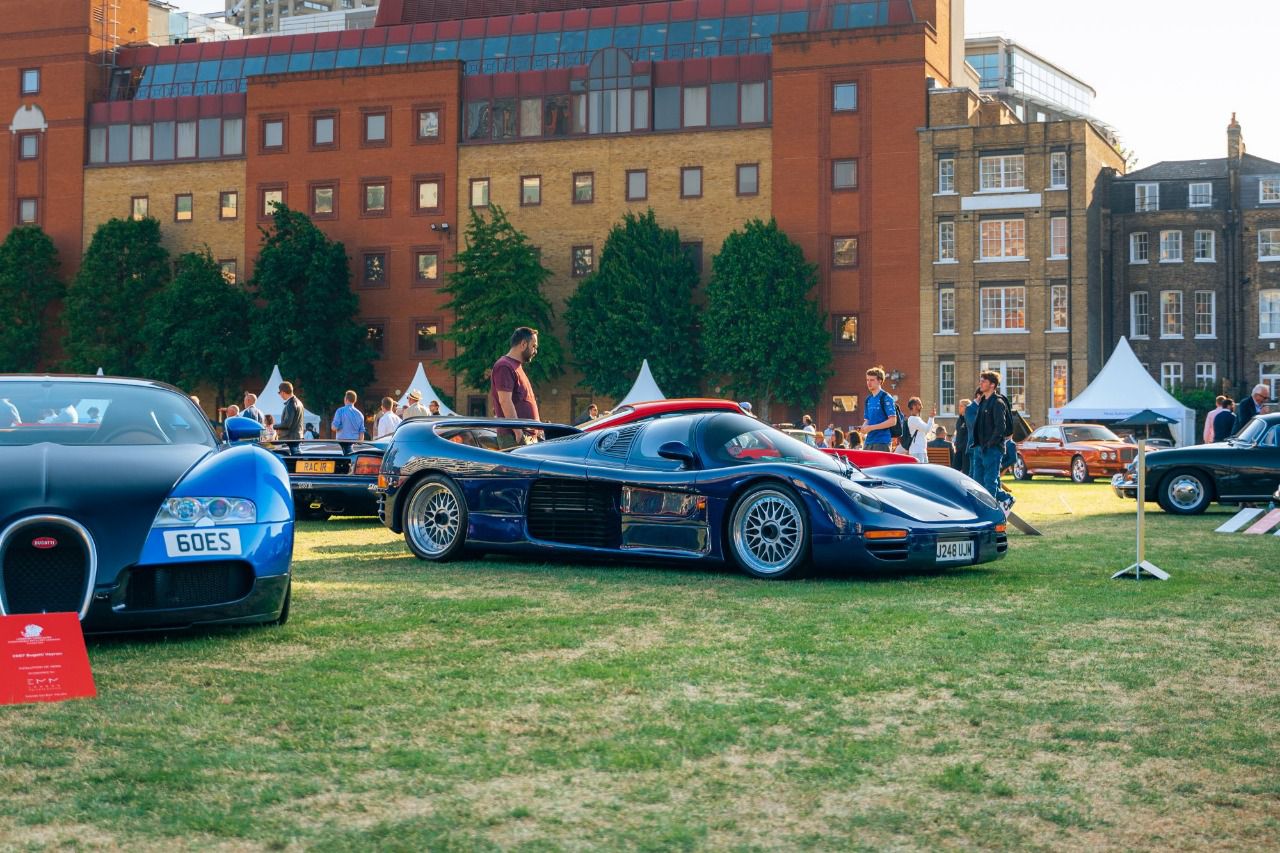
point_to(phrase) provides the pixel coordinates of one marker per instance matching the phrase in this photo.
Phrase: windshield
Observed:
(1089, 433)
(60, 412)
(606, 416)
(1252, 431)
(732, 439)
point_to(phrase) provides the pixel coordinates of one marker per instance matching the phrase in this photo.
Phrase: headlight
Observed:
(186, 512)
(860, 496)
(983, 497)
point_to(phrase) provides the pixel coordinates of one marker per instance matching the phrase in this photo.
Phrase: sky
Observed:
(1168, 73)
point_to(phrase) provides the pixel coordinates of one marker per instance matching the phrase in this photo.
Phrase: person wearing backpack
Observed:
(880, 419)
(991, 428)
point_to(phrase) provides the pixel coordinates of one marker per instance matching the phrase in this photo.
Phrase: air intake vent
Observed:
(575, 512)
(44, 568)
(188, 585)
(618, 444)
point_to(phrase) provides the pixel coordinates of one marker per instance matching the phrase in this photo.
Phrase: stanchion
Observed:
(1141, 567)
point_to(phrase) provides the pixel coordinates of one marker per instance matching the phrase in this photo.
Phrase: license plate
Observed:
(955, 550)
(309, 466)
(189, 543)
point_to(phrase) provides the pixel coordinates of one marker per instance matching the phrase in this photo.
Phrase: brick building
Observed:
(1011, 275)
(1195, 249)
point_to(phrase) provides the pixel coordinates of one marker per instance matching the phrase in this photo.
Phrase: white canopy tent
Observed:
(644, 389)
(423, 384)
(269, 402)
(1123, 388)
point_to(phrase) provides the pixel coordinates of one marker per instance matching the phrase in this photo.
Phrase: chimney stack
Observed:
(1235, 142)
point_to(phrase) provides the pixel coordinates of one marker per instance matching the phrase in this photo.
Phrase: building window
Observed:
(748, 179)
(1205, 246)
(186, 140)
(584, 187)
(1206, 314)
(232, 137)
(1058, 237)
(138, 207)
(1059, 387)
(583, 261)
(1170, 247)
(374, 269)
(183, 208)
(1013, 375)
(1200, 195)
(1139, 249)
(1206, 374)
(427, 267)
(228, 204)
(844, 97)
(323, 201)
(695, 106)
(426, 337)
(1058, 308)
(375, 128)
(375, 335)
(847, 329)
(31, 81)
(637, 184)
(1269, 313)
(1000, 173)
(479, 192)
(1171, 313)
(374, 198)
(691, 182)
(1058, 170)
(426, 195)
(1269, 190)
(141, 142)
(1146, 197)
(946, 241)
(530, 116)
(1269, 244)
(229, 270)
(1269, 375)
(1003, 238)
(324, 131)
(1171, 375)
(530, 190)
(947, 387)
(844, 251)
(272, 134)
(844, 174)
(946, 175)
(97, 145)
(428, 125)
(28, 211)
(1139, 315)
(752, 103)
(947, 310)
(1002, 309)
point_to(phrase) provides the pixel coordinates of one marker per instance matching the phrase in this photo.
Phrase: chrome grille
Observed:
(47, 565)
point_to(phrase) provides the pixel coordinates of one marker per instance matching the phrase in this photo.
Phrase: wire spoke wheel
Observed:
(434, 520)
(768, 533)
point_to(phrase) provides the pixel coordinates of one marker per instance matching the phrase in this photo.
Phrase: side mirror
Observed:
(242, 429)
(680, 452)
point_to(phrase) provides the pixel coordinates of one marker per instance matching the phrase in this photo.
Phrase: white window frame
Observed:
(1012, 234)
(1168, 317)
(946, 387)
(1269, 191)
(1171, 247)
(946, 176)
(1204, 191)
(1134, 243)
(1170, 375)
(1268, 244)
(1212, 314)
(1002, 173)
(1055, 365)
(1140, 299)
(1146, 197)
(1269, 313)
(1059, 296)
(1000, 307)
(1057, 237)
(1057, 170)
(1004, 367)
(1206, 237)
(1206, 374)
(947, 311)
(1270, 378)
(947, 242)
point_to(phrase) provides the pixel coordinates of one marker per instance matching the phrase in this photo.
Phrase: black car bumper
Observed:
(339, 495)
(135, 604)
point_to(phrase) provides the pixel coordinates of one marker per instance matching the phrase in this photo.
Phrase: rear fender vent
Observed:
(575, 512)
(617, 443)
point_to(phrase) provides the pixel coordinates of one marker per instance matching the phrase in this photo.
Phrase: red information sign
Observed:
(43, 659)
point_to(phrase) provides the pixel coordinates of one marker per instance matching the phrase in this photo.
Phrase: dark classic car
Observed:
(120, 504)
(715, 486)
(1078, 451)
(332, 477)
(1185, 480)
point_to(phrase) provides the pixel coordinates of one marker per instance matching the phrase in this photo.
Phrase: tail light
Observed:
(367, 466)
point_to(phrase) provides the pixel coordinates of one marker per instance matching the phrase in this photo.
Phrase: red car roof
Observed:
(633, 412)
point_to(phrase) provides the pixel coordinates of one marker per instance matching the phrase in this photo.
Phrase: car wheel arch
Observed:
(406, 488)
(1206, 477)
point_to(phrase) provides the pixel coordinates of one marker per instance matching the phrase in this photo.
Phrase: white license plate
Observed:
(191, 543)
(955, 550)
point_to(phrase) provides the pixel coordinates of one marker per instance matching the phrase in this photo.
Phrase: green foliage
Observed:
(28, 283)
(199, 327)
(308, 320)
(638, 305)
(496, 289)
(124, 267)
(1201, 399)
(762, 331)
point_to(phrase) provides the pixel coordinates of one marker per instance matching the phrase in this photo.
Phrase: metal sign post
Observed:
(1142, 567)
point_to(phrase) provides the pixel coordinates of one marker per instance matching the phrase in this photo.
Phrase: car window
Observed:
(1252, 432)
(1089, 433)
(1039, 435)
(89, 412)
(1272, 438)
(732, 439)
(657, 432)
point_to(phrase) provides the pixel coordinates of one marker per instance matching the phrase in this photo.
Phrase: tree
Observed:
(28, 284)
(198, 328)
(307, 323)
(638, 305)
(123, 269)
(762, 331)
(496, 289)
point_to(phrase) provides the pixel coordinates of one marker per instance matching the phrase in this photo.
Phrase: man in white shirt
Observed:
(807, 425)
(415, 409)
(920, 429)
(388, 420)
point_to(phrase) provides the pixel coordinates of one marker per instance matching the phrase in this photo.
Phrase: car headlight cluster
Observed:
(983, 497)
(861, 497)
(184, 512)
(1110, 456)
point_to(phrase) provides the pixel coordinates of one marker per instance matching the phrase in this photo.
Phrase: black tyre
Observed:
(1080, 470)
(1020, 471)
(768, 534)
(1185, 492)
(435, 520)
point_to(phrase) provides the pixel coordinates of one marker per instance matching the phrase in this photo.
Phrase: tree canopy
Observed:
(28, 284)
(496, 288)
(638, 305)
(762, 331)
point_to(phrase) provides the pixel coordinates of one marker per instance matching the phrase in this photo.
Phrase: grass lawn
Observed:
(1027, 704)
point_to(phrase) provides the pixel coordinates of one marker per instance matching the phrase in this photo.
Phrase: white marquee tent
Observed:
(269, 402)
(644, 389)
(1123, 388)
(423, 384)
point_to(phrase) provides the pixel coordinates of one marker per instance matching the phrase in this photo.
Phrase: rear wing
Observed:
(296, 446)
(443, 424)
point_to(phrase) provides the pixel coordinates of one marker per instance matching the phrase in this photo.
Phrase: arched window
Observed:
(611, 99)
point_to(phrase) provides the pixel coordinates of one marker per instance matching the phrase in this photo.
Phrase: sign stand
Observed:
(1142, 568)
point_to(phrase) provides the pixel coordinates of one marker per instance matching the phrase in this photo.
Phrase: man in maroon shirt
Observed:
(510, 393)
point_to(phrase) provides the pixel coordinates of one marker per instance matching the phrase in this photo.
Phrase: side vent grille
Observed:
(618, 444)
(575, 512)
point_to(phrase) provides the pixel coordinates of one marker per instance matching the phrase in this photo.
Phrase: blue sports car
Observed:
(120, 504)
(714, 486)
